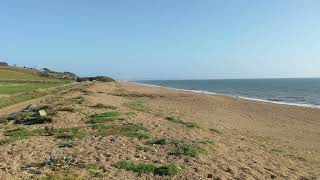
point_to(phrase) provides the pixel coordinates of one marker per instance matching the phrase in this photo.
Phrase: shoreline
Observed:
(232, 96)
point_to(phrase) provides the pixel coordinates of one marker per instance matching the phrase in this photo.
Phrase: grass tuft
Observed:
(69, 133)
(179, 120)
(137, 105)
(157, 141)
(77, 100)
(90, 166)
(168, 170)
(128, 130)
(19, 133)
(188, 150)
(103, 106)
(206, 142)
(104, 117)
(138, 168)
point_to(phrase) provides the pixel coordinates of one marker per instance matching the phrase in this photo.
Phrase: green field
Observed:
(8, 88)
(22, 84)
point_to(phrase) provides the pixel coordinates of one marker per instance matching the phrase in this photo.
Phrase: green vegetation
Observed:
(67, 109)
(96, 78)
(90, 166)
(4, 142)
(13, 88)
(67, 144)
(206, 142)
(128, 130)
(139, 168)
(69, 133)
(14, 99)
(62, 133)
(145, 148)
(137, 105)
(77, 100)
(168, 170)
(179, 120)
(13, 73)
(157, 141)
(103, 106)
(187, 150)
(60, 176)
(19, 133)
(22, 84)
(104, 117)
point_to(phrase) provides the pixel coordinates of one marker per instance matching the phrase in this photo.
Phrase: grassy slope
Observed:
(22, 74)
(24, 81)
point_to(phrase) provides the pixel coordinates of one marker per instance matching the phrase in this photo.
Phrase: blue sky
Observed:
(164, 39)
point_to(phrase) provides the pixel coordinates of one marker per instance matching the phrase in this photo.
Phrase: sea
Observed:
(298, 92)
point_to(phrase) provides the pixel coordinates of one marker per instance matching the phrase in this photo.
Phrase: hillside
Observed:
(21, 84)
(8, 73)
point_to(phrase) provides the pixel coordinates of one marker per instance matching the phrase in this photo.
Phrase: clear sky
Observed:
(164, 39)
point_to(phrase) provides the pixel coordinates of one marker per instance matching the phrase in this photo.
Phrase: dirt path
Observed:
(182, 135)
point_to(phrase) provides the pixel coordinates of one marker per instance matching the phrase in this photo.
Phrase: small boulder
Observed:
(31, 107)
(42, 113)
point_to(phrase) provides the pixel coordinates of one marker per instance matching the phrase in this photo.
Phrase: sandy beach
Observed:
(240, 139)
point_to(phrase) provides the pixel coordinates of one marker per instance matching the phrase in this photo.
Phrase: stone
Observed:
(42, 113)
(31, 107)
(210, 176)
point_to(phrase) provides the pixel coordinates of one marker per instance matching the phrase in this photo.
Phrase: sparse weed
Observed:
(168, 170)
(139, 168)
(144, 148)
(90, 166)
(104, 117)
(128, 130)
(67, 109)
(137, 105)
(4, 142)
(103, 106)
(60, 176)
(187, 150)
(19, 133)
(67, 144)
(62, 133)
(157, 141)
(77, 100)
(179, 120)
(206, 142)
(69, 133)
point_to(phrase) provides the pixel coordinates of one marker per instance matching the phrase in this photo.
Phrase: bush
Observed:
(96, 78)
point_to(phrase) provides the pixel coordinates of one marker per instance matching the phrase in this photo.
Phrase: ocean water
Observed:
(303, 92)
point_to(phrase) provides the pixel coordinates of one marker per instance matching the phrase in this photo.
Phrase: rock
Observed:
(210, 176)
(31, 107)
(42, 113)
